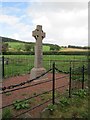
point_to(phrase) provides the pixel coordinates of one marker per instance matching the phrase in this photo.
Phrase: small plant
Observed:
(81, 93)
(7, 94)
(64, 102)
(42, 97)
(51, 107)
(21, 105)
(6, 113)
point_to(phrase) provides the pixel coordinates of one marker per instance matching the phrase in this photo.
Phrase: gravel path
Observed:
(30, 91)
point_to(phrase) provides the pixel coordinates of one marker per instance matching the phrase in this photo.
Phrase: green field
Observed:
(16, 46)
(22, 64)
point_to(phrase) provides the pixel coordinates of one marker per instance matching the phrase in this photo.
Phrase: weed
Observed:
(7, 94)
(75, 107)
(81, 93)
(21, 105)
(42, 97)
(51, 107)
(64, 101)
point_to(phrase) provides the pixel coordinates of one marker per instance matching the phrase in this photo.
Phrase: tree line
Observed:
(28, 47)
(78, 47)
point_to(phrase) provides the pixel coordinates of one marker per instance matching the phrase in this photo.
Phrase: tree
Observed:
(29, 47)
(54, 47)
(4, 47)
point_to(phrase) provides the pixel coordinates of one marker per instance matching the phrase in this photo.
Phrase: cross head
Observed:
(38, 33)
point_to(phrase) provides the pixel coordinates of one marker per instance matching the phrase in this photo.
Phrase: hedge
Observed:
(18, 53)
(48, 53)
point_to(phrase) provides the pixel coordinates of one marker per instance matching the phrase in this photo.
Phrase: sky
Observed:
(65, 23)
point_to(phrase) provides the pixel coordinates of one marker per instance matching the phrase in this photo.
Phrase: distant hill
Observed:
(6, 39)
(17, 45)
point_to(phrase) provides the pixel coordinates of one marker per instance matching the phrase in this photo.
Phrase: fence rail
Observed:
(53, 69)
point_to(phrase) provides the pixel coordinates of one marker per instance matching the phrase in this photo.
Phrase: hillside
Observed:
(5, 39)
(21, 46)
(17, 45)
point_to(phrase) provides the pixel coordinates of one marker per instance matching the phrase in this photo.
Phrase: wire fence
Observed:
(72, 84)
(18, 65)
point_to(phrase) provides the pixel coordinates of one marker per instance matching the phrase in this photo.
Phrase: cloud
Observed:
(61, 25)
(10, 20)
(64, 23)
(15, 28)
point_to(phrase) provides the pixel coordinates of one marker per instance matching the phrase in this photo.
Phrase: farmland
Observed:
(17, 46)
(20, 46)
(19, 64)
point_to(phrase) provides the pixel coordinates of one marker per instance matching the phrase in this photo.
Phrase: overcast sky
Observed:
(65, 23)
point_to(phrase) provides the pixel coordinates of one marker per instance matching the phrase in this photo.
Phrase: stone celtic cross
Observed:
(38, 69)
(38, 34)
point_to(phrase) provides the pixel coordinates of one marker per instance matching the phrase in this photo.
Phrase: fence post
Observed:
(70, 84)
(53, 85)
(2, 66)
(70, 63)
(83, 77)
(50, 64)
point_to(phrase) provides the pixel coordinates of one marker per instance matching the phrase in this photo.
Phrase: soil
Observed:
(8, 98)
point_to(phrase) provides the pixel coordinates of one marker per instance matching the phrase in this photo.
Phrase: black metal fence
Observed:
(14, 66)
(71, 85)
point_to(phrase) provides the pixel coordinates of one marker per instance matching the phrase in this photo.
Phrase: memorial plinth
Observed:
(38, 69)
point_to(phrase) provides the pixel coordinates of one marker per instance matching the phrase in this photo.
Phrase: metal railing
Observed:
(53, 69)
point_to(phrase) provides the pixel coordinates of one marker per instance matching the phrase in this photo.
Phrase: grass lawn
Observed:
(22, 64)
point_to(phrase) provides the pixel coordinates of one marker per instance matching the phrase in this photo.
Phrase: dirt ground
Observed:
(30, 91)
